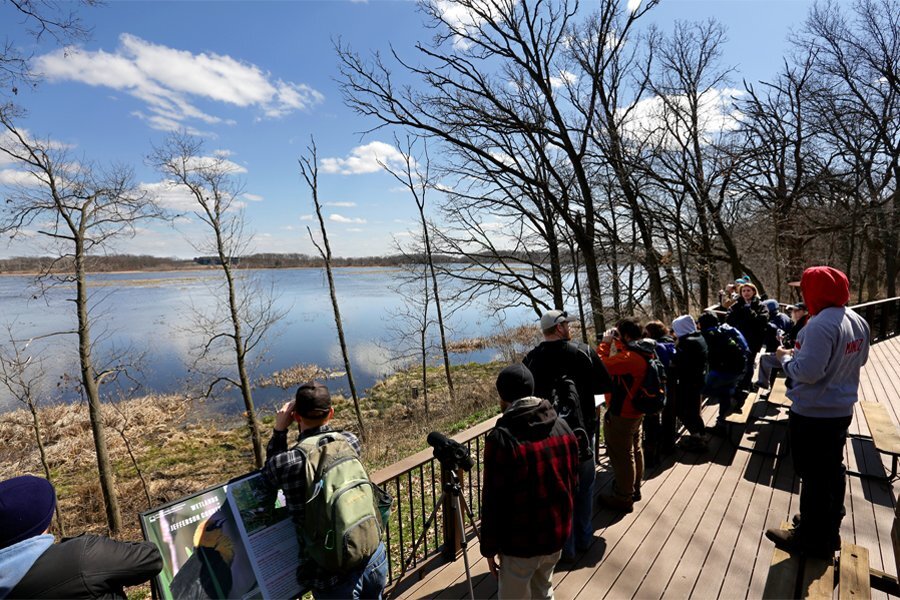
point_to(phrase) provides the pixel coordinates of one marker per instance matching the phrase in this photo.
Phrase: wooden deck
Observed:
(698, 532)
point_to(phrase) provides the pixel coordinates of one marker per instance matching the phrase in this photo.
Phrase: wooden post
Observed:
(452, 532)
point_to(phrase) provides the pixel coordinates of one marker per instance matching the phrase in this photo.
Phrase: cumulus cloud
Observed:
(171, 81)
(342, 219)
(170, 195)
(355, 229)
(633, 5)
(464, 22)
(565, 78)
(341, 204)
(364, 159)
(14, 177)
(653, 118)
(252, 197)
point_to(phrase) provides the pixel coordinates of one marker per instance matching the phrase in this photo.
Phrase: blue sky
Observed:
(257, 79)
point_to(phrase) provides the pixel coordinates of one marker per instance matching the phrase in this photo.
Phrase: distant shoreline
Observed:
(197, 268)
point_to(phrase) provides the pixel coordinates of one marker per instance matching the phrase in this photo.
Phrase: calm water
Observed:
(148, 315)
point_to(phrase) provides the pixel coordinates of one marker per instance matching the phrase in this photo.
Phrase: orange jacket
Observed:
(626, 369)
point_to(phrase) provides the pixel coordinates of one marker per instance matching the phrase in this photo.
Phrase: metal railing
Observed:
(883, 317)
(416, 483)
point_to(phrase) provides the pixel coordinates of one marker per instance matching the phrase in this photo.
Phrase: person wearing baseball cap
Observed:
(556, 359)
(87, 566)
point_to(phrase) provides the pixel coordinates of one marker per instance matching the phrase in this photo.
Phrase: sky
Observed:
(255, 81)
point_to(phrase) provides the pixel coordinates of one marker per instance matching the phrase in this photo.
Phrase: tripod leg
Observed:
(457, 508)
(419, 541)
(471, 516)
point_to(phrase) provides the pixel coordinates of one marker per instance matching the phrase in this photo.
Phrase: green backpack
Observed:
(342, 526)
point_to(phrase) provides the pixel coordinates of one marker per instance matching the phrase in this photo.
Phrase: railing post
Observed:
(452, 533)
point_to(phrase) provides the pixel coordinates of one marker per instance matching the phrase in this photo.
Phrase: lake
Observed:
(148, 314)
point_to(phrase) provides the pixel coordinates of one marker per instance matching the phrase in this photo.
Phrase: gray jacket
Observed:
(829, 353)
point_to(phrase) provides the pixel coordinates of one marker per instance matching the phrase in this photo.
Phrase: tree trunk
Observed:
(104, 468)
(38, 437)
(437, 303)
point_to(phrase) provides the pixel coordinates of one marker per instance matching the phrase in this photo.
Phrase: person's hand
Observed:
(779, 335)
(284, 416)
(780, 353)
(609, 335)
(493, 566)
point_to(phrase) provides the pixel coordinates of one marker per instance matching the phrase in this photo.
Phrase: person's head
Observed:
(799, 312)
(655, 330)
(824, 287)
(748, 291)
(772, 306)
(708, 320)
(312, 405)
(26, 508)
(629, 329)
(684, 325)
(514, 383)
(555, 325)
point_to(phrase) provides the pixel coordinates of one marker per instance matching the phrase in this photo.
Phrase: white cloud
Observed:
(223, 153)
(169, 194)
(633, 5)
(252, 197)
(342, 219)
(170, 81)
(213, 162)
(14, 177)
(306, 217)
(464, 22)
(649, 116)
(355, 229)
(365, 159)
(565, 78)
(341, 204)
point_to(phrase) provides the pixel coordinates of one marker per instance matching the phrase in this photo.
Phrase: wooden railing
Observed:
(416, 484)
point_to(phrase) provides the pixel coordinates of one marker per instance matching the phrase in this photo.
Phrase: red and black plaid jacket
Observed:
(530, 472)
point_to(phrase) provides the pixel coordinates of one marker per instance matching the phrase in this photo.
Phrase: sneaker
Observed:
(694, 443)
(616, 502)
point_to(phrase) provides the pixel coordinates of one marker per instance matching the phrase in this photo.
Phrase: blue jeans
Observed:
(366, 582)
(582, 518)
(721, 387)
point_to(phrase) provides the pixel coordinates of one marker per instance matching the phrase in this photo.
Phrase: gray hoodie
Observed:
(829, 353)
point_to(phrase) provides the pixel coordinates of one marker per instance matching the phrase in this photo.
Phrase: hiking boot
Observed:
(616, 502)
(790, 540)
(636, 496)
(795, 520)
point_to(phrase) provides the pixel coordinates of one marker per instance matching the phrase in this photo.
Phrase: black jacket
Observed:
(89, 566)
(578, 361)
(690, 363)
(752, 320)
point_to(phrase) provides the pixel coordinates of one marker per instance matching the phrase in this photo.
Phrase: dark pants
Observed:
(688, 404)
(817, 448)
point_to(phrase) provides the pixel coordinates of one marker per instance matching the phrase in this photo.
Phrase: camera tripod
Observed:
(457, 506)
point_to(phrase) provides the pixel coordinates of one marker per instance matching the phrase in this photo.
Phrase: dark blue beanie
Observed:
(26, 508)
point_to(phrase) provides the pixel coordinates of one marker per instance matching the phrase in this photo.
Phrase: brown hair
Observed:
(656, 330)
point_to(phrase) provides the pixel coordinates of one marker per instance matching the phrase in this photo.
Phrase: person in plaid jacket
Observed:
(530, 474)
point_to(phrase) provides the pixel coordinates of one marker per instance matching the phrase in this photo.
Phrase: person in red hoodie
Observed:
(824, 366)
(622, 423)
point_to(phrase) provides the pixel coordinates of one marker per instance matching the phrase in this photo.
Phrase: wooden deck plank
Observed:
(854, 572)
(883, 430)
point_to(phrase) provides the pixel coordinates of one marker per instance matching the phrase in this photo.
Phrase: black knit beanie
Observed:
(515, 382)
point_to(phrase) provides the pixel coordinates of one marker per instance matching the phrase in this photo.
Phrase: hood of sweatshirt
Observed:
(824, 287)
(645, 345)
(17, 560)
(529, 418)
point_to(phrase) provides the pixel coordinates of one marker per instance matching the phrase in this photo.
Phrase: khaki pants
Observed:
(526, 577)
(623, 446)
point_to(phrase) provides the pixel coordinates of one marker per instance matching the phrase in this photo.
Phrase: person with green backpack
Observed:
(332, 502)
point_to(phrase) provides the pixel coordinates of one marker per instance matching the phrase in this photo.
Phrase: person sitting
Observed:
(769, 362)
(779, 324)
(530, 460)
(728, 355)
(689, 366)
(85, 566)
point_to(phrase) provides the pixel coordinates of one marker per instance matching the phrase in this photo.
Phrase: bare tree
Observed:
(416, 177)
(247, 310)
(309, 169)
(40, 18)
(80, 208)
(22, 374)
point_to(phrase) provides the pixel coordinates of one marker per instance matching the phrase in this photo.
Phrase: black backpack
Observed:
(650, 397)
(567, 403)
